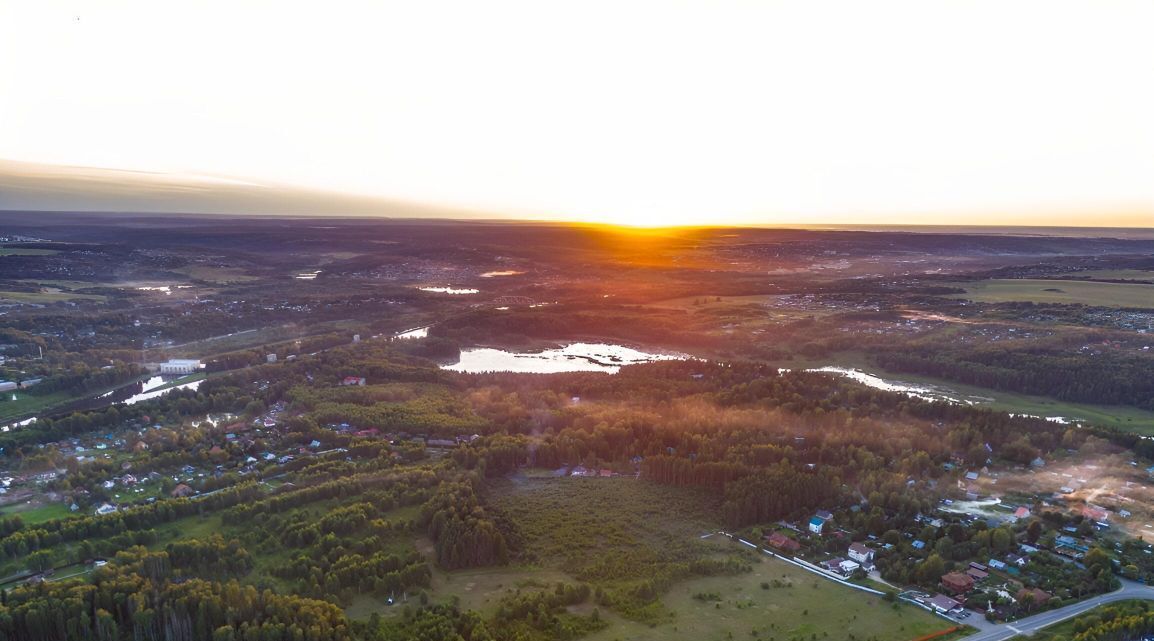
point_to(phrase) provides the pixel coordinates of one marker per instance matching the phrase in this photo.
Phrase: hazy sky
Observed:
(637, 112)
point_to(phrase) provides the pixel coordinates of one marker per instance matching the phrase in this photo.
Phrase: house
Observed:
(972, 476)
(944, 604)
(1095, 513)
(919, 544)
(353, 380)
(824, 515)
(1022, 512)
(816, 524)
(861, 554)
(1015, 559)
(1038, 462)
(976, 574)
(834, 564)
(1033, 598)
(783, 542)
(106, 508)
(179, 366)
(182, 491)
(848, 567)
(997, 565)
(957, 583)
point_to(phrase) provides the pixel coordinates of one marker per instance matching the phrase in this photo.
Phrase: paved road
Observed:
(1031, 624)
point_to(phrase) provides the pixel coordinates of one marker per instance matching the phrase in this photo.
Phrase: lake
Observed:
(924, 392)
(449, 290)
(125, 395)
(575, 357)
(420, 332)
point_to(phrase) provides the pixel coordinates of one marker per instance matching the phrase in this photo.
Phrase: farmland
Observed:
(1074, 292)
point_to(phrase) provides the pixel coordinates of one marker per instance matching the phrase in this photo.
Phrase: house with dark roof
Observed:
(862, 554)
(1033, 598)
(957, 582)
(944, 604)
(782, 542)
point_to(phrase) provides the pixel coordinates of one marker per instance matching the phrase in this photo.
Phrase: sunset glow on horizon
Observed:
(642, 113)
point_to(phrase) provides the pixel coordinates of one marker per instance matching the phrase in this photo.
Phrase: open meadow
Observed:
(1070, 292)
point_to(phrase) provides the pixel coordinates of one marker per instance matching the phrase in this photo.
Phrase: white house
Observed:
(107, 508)
(179, 366)
(861, 554)
(816, 524)
(848, 567)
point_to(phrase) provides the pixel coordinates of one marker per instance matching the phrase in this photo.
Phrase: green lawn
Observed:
(1059, 291)
(797, 605)
(33, 514)
(28, 403)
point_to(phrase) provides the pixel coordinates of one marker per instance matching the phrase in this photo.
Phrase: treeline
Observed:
(134, 600)
(1106, 378)
(1113, 622)
(51, 533)
(81, 379)
(464, 531)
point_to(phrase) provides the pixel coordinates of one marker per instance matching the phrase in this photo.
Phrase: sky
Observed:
(633, 112)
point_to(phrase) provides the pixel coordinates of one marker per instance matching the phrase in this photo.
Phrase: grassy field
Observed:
(47, 295)
(576, 523)
(218, 275)
(1113, 274)
(765, 306)
(609, 530)
(32, 514)
(796, 605)
(27, 251)
(1059, 291)
(28, 404)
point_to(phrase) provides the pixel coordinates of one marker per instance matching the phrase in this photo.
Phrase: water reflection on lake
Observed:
(150, 389)
(924, 392)
(420, 332)
(449, 290)
(129, 394)
(576, 357)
